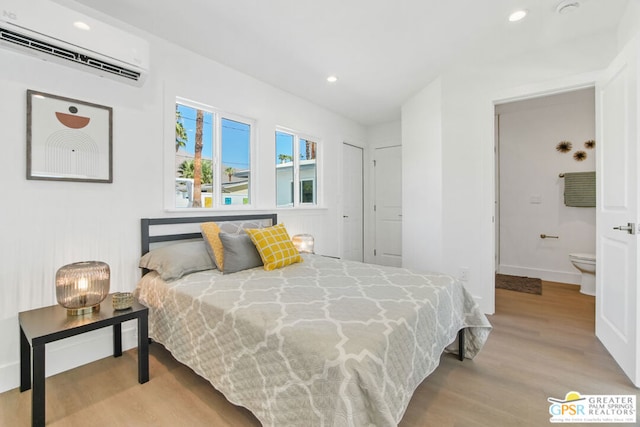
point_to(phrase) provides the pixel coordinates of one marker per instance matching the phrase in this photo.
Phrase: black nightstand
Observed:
(44, 325)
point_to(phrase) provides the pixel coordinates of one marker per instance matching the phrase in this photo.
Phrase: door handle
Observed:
(629, 228)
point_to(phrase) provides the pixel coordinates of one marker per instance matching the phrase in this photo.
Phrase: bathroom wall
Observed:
(531, 198)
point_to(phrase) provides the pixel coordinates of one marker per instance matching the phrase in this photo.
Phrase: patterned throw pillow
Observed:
(275, 246)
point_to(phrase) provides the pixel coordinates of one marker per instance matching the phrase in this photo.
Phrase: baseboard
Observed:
(548, 275)
(72, 352)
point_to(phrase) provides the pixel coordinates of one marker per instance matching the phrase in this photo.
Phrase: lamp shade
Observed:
(82, 286)
(303, 243)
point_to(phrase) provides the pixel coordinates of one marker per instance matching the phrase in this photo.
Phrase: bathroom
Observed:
(539, 140)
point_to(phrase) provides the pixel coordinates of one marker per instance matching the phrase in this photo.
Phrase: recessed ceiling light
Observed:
(332, 79)
(82, 25)
(517, 15)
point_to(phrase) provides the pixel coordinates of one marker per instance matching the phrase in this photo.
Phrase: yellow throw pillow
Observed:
(210, 231)
(274, 246)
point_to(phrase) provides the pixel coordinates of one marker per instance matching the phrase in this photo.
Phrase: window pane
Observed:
(307, 191)
(194, 154)
(308, 174)
(307, 150)
(235, 170)
(284, 169)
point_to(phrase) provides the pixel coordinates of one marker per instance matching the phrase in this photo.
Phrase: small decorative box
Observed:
(122, 300)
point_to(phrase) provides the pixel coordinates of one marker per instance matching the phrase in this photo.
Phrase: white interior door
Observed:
(353, 212)
(388, 205)
(617, 296)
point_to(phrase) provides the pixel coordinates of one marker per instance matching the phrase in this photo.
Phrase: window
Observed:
(296, 170)
(213, 158)
(235, 148)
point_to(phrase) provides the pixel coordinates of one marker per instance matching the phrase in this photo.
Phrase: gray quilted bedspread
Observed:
(322, 343)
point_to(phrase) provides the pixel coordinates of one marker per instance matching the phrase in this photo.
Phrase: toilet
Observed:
(586, 263)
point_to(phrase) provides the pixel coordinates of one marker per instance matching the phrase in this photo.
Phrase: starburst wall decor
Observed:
(579, 156)
(564, 146)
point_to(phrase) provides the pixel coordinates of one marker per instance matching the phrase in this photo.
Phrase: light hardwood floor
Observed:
(540, 347)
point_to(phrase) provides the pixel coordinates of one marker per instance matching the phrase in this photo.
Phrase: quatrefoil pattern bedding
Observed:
(324, 342)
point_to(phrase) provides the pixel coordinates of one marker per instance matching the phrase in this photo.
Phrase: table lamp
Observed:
(303, 243)
(82, 286)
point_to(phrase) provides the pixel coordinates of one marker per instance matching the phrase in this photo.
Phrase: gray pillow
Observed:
(213, 242)
(239, 253)
(174, 261)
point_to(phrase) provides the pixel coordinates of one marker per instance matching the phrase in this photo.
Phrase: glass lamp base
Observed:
(83, 310)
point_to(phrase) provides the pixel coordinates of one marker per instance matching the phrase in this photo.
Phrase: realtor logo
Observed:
(577, 408)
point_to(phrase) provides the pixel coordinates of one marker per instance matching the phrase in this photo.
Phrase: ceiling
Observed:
(382, 51)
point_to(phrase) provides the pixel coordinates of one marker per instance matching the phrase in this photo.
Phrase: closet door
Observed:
(388, 206)
(353, 210)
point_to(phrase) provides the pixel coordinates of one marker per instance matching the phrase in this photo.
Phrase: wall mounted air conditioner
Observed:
(55, 33)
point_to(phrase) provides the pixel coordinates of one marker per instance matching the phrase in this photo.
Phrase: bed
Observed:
(322, 342)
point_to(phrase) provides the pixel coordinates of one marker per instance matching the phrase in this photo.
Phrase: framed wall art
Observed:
(68, 140)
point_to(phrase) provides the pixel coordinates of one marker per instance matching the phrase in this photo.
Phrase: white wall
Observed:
(422, 185)
(48, 224)
(531, 191)
(629, 24)
(464, 109)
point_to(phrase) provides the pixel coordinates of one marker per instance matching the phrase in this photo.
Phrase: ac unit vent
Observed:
(69, 55)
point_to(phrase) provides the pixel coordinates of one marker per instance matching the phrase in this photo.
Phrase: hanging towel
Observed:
(580, 189)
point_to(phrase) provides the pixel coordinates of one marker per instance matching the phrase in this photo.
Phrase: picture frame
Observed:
(68, 139)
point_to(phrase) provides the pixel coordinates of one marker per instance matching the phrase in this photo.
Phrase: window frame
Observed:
(297, 202)
(217, 196)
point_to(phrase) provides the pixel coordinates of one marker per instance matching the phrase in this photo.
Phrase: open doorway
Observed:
(538, 140)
